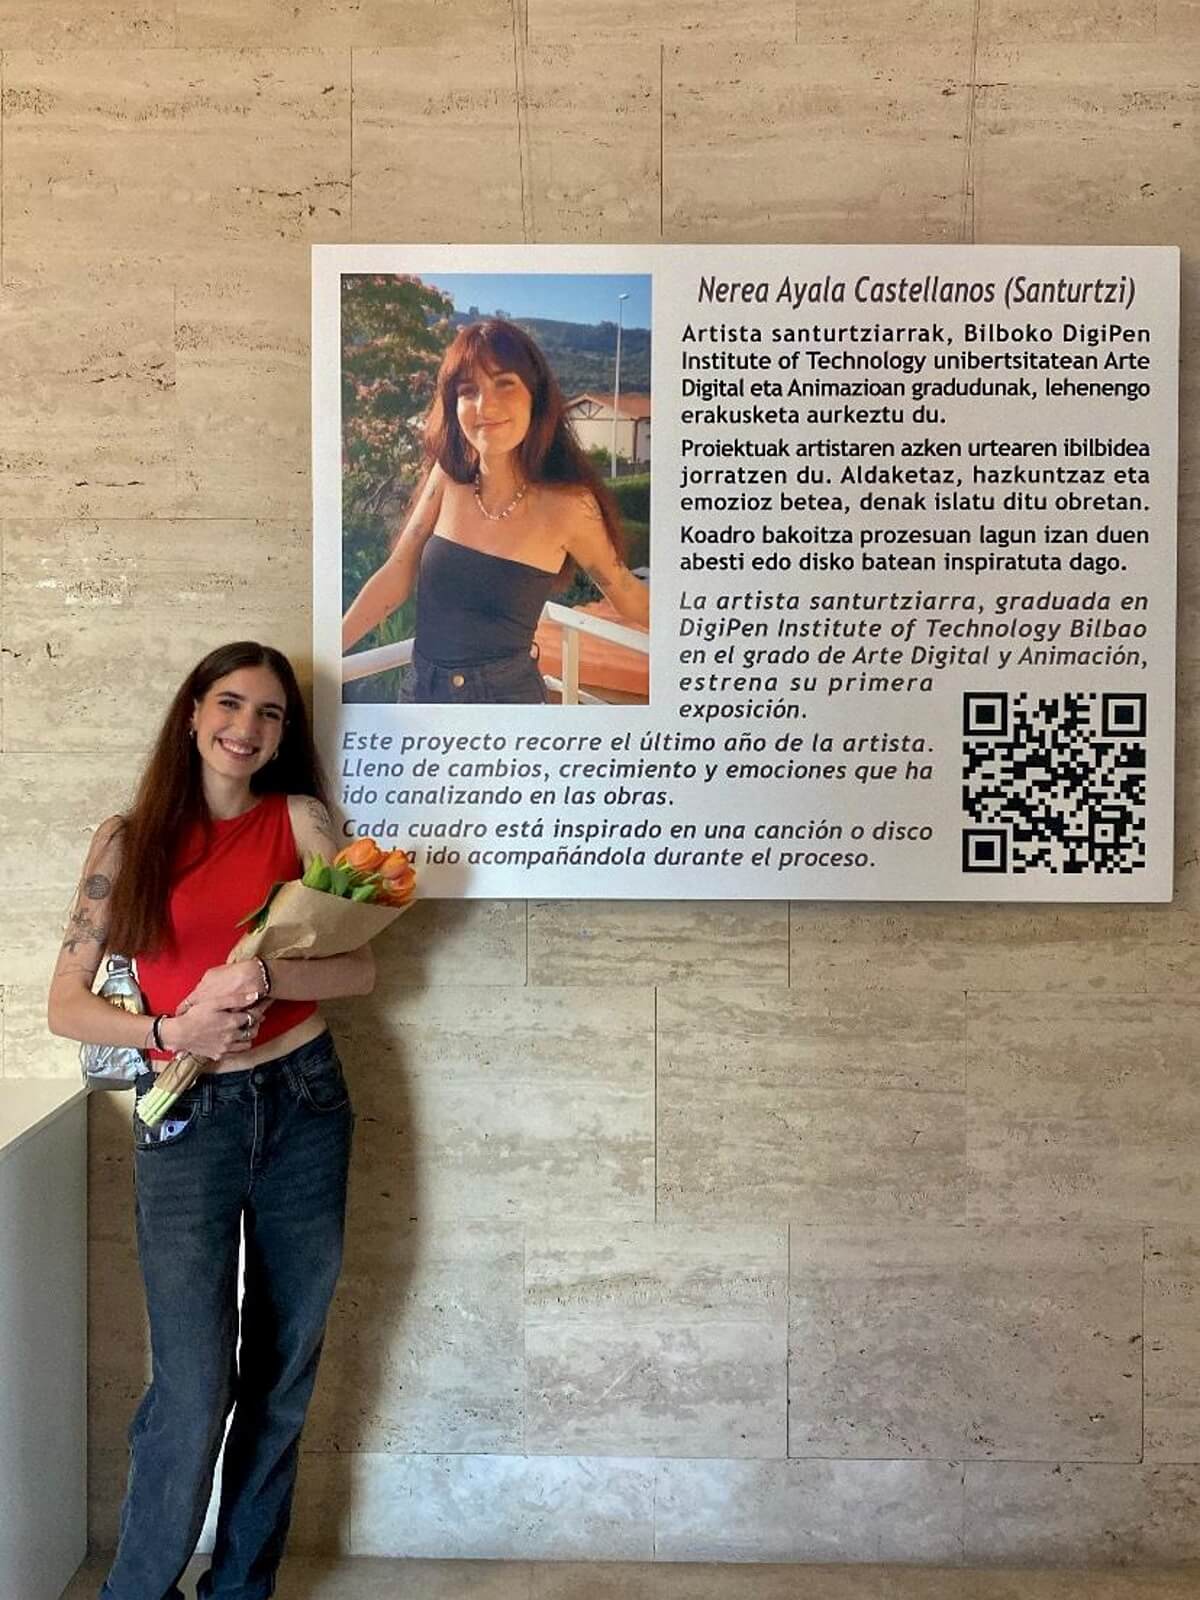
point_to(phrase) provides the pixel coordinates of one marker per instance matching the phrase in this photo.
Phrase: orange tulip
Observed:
(396, 891)
(395, 865)
(364, 855)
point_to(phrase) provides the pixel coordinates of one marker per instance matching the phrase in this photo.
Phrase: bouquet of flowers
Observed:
(336, 907)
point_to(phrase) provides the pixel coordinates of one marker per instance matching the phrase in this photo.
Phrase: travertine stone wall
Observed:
(819, 1233)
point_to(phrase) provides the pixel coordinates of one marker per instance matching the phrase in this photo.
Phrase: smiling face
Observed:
(239, 722)
(494, 411)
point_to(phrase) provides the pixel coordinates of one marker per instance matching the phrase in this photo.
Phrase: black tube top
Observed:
(473, 607)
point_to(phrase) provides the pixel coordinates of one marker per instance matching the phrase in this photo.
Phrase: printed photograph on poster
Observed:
(496, 488)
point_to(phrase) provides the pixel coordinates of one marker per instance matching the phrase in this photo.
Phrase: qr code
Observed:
(1054, 782)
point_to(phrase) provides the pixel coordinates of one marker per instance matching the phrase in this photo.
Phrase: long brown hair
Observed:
(170, 796)
(549, 452)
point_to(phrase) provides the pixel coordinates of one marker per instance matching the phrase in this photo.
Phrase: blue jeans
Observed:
(511, 681)
(266, 1150)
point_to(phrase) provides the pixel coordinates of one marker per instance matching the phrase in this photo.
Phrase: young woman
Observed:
(509, 504)
(230, 802)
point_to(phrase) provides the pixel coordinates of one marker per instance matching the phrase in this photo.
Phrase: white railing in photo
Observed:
(574, 624)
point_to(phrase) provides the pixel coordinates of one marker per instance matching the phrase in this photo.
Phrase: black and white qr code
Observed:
(1054, 783)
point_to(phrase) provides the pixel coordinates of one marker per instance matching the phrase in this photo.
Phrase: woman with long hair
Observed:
(508, 507)
(231, 801)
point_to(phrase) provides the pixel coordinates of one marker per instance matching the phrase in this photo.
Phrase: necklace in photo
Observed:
(506, 511)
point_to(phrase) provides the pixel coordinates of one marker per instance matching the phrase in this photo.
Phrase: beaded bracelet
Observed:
(265, 974)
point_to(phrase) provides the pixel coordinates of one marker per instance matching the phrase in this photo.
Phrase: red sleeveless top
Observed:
(212, 889)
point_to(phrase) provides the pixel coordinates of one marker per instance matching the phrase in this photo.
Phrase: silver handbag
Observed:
(116, 1066)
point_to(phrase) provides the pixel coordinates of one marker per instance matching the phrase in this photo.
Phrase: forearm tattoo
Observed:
(81, 930)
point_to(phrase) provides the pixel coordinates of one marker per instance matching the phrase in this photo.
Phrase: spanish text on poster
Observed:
(701, 572)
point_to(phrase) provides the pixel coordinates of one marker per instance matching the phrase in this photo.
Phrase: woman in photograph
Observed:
(508, 507)
(231, 801)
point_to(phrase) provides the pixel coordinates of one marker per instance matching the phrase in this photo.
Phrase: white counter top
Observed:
(27, 1104)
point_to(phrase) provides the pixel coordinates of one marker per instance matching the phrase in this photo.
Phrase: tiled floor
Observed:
(361, 1578)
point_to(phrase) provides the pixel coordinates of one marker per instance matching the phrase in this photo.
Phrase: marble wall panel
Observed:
(119, 1351)
(564, 1508)
(1084, 139)
(78, 603)
(593, 143)
(425, 1344)
(1082, 1109)
(837, 1511)
(476, 942)
(965, 1342)
(760, 146)
(151, 162)
(663, 941)
(436, 141)
(506, 1103)
(1172, 1345)
(332, 24)
(82, 24)
(1072, 1515)
(88, 379)
(243, 391)
(817, 1109)
(30, 1050)
(657, 1341)
(952, 949)
(110, 1171)
(646, 23)
(51, 842)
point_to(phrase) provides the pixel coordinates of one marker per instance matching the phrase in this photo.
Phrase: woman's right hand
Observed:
(205, 1031)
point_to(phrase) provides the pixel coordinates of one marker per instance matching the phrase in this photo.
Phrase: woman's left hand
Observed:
(226, 988)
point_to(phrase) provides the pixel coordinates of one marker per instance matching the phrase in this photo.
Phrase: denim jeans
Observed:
(511, 681)
(265, 1150)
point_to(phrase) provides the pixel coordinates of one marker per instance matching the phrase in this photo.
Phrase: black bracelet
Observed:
(156, 1035)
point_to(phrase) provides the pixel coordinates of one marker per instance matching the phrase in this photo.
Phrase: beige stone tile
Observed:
(459, 942)
(32, 933)
(425, 1344)
(30, 1049)
(83, 24)
(663, 941)
(242, 374)
(503, 1507)
(965, 1342)
(842, 1109)
(645, 21)
(657, 1341)
(333, 24)
(1092, 1583)
(593, 143)
(762, 1581)
(371, 1578)
(1087, 151)
(1172, 1345)
(1082, 1108)
(596, 1580)
(1071, 1515)
(107, 1471)
(88, 378)
(436, 149)
(110, 1169)
(76, 601)
(153, 161)
(51, 806)
(323, 1505)
(119, 1350)
(808, 1511)
(954, 949)
(764, 147)
(506, 1103)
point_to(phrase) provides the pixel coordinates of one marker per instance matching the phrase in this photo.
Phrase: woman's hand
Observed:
(211, 1032)
(237, 984)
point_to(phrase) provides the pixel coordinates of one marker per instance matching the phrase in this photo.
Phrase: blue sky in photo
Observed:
(561, 296)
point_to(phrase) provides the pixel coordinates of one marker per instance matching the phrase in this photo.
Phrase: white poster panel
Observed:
(906, 516)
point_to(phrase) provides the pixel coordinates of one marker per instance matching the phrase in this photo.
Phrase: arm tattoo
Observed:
(319, 817)
(82, 930)
(97, 886)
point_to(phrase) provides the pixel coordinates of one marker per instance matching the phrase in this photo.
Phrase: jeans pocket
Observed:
(179, 1120)
(323, 1086)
